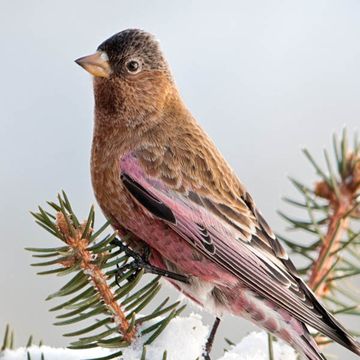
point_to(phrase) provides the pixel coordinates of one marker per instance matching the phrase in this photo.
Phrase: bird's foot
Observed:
(142, 263)
(206, 356)
(210, 339)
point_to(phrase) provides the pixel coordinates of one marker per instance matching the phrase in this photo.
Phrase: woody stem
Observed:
(338, 224)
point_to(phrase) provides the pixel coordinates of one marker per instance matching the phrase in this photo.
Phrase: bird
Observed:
(158, 176)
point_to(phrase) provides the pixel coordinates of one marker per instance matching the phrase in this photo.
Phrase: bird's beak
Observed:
(96, 64)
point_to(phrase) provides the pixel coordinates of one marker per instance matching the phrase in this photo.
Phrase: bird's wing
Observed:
(236, 237)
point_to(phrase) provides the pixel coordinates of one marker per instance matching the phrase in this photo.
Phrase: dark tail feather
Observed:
(307, 346)
(335, 330)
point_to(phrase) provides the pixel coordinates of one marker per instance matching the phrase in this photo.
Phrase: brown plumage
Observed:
(157, 174)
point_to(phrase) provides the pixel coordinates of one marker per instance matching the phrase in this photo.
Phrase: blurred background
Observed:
(263, 77)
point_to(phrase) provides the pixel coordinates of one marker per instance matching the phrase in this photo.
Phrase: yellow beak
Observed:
(96, 64)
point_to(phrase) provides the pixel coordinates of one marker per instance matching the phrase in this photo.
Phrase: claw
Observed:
(142, 262)
(121, 270)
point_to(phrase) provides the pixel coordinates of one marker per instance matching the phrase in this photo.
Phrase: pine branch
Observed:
(332, 214)
(97, 291)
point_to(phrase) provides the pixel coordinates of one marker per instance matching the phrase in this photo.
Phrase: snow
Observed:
(52, 353)
(183, 339)
(255, 347)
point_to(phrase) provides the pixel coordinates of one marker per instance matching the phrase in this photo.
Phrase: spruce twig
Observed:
(96, 292)
(332, 218)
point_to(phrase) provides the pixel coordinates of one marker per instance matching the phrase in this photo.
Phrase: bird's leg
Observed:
(210, 339)
(142, 262)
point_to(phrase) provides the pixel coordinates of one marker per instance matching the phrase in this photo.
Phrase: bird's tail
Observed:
(307, 346)
(333, 329)
(280, 323)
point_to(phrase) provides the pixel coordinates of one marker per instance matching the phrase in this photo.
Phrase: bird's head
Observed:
(131, 79)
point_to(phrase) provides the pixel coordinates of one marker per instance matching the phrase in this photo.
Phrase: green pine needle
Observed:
(84, 302)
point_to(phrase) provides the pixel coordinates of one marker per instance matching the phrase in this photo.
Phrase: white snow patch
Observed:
(52, 353)
(255, 347)
(183, 339)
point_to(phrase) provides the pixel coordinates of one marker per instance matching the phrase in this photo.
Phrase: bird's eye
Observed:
(133, 66)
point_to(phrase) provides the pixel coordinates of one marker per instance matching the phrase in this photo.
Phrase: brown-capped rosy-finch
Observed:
(157, 175)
